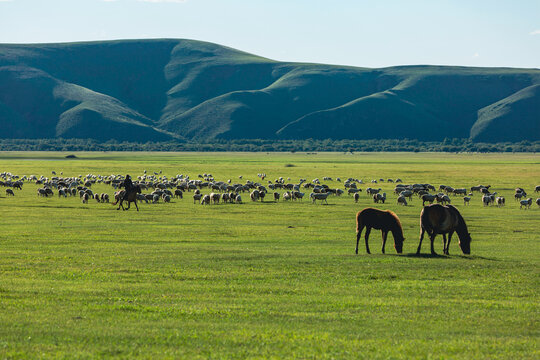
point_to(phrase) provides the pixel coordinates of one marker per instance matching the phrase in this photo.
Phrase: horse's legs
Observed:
(384, 236)
(432, 238)
(422, 232)
(448, 243)
(444, 243)
(358, 235)
(368, 230)
(120, 205)
(136, 205)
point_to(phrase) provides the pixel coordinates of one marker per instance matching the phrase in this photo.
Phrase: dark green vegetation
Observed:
(259, 145)
(156, 90)
(265, 280)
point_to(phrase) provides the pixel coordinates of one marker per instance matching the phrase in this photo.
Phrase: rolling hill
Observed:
(166, 89)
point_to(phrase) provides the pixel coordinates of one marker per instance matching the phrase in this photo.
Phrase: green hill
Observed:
(155, 90)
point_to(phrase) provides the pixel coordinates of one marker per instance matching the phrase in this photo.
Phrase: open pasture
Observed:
(266, 280)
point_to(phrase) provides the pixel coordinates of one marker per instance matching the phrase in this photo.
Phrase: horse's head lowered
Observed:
(465, 243)
(398, 242)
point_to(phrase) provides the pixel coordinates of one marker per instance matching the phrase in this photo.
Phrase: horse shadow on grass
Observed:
(439, 256)
(426, 256)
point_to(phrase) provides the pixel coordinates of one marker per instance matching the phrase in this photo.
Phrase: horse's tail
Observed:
(358, 221)
(425, 223)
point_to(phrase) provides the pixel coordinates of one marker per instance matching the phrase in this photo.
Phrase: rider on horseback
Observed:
(128, 185)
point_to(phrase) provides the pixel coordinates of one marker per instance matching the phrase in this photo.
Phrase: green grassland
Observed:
(266, 280)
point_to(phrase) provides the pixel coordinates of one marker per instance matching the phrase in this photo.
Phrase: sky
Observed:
(376, 33)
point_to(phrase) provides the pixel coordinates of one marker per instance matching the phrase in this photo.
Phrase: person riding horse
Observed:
(128, 185)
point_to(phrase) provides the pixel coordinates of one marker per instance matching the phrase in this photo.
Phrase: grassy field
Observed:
(266, 280)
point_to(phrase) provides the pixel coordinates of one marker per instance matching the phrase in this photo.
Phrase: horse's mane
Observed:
(394, 215)
(456, 212)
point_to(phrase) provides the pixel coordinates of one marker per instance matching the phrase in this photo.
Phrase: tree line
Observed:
(262, 145)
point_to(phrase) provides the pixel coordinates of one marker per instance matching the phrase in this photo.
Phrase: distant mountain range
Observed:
(158, 90)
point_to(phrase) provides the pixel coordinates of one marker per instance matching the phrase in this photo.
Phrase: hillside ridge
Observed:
(177, 89)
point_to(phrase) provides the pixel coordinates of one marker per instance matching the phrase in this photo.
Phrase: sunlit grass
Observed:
(265, 280)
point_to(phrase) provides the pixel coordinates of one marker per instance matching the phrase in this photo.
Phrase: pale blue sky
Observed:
(374, 33)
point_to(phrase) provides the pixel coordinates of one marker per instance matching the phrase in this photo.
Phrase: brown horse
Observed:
(381, 220)
(439, 219)
(131, 197)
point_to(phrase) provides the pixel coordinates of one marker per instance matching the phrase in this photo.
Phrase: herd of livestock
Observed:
(160, 188)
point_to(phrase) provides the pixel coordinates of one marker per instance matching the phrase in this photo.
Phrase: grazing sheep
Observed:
(320, 196)
(537, 188)
(407, 194)
(287, 196)
(225, 197)
(371, 191)
(377, 198)
(276, 196)
(443, 199)
(140, 197)
(538, 201)
(527, 203)
(500, 201)
(197, 197)
(105, 197)
(178, 193)
(155, 198)
(298, 195)
(205, 200)
(429, 198)
(402, 201)
(9, 192)
(85, 198)
(518, 196)
(215, 197)
(487, 200)
(466, 200)
(356, 197)
(166, 198)
(238, 199)
(254, 195)
(262, 194)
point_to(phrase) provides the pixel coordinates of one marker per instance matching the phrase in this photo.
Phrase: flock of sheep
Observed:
(162, 188)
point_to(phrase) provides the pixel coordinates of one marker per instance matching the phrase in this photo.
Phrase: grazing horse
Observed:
(381, 220)
(131, 198)
(439, 219)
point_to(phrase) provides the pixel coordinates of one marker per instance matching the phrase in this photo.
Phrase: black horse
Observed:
(438, 219)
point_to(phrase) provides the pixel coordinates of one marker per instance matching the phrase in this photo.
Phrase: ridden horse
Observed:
(381, 220)
(131, 197)
(438, 219)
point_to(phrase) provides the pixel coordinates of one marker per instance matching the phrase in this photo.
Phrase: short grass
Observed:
(265, 280)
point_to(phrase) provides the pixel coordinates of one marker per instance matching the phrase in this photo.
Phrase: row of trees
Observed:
(258, 145)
